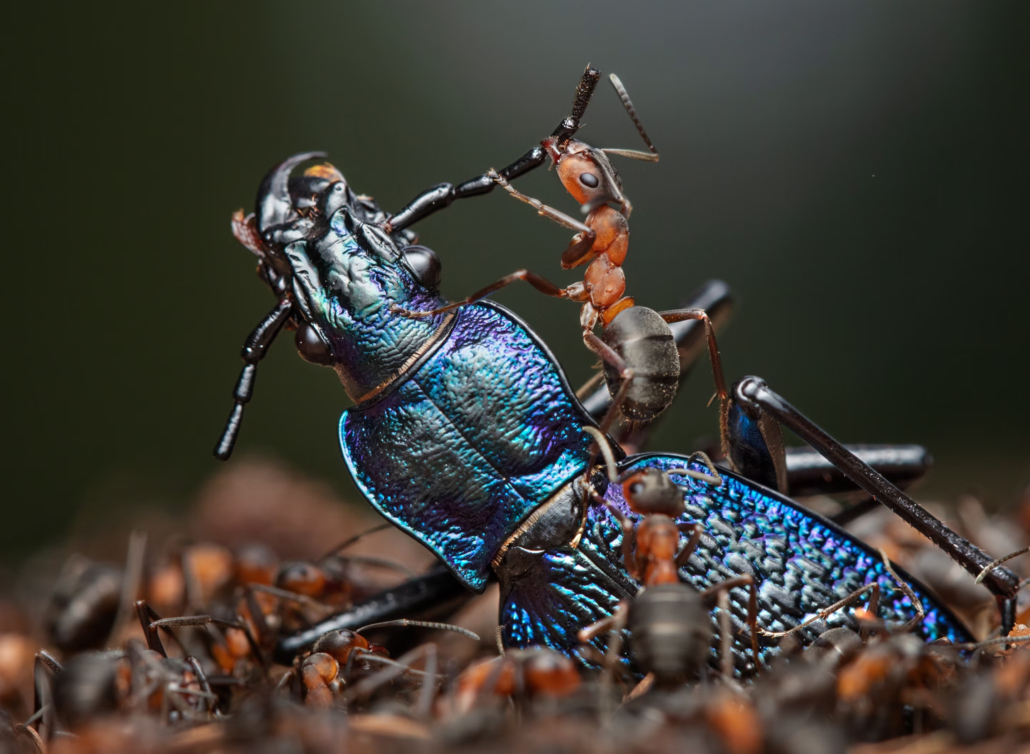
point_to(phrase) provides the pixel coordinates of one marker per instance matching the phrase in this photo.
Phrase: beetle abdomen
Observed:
(645, 343)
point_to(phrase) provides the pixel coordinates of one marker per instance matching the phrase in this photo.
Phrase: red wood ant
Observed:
(669, 619)
(589, 176)
(637, 349)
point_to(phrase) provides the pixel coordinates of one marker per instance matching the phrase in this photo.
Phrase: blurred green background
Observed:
(856, 171)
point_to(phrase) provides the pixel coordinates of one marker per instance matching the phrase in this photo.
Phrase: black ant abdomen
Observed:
(644, 341)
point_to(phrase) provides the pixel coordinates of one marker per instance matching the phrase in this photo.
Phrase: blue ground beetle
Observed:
(466, 435)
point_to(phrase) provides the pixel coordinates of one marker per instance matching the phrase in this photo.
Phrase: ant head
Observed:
(589, 176)
(651, 492)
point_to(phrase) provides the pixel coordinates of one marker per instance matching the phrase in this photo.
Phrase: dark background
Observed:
(856, 171)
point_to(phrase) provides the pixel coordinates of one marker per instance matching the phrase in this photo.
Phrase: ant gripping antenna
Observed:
(628, 104)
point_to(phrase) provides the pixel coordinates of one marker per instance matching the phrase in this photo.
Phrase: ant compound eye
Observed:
(589, 180)
(311, 347)
(636, 488)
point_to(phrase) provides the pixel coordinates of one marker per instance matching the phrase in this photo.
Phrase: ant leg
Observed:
(254, 349)
(628, 538)
(681, 315)
(210, 698)
(42, 693)
(696, 530)
(395, 668)
(542, 284)
(442, 195)
(725, 637)
(608, 355)
(257, 615)
(437, 591)
(197, 621)
(25, 729)
(285, 594)
(722, 591)
(146, 616)
(874, 602)
(134, 564)
(357, 538)
(285, 681)
(1003, 583)
(614, 624)
(581, 245)
(907, 591)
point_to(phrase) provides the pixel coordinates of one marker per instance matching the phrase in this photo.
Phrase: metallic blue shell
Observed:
(800, 561)
(482, 433)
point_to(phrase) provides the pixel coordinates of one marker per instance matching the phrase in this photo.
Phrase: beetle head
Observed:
(324, 247)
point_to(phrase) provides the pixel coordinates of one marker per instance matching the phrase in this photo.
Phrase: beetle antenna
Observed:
(254, 349)
(628, 104)
(572, 122)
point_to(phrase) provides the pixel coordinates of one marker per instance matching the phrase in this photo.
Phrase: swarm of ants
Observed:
(168, 647)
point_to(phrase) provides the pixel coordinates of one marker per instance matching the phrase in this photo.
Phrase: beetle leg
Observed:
(753, 393)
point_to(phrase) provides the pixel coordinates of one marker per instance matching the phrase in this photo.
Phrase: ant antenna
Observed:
(628, 104)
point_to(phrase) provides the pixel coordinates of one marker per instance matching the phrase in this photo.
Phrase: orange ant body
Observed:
(603, 238)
